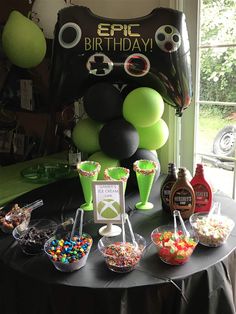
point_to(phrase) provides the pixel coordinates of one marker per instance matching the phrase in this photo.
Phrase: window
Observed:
(213, 44)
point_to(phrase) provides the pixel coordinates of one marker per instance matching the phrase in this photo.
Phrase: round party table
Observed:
(31, 284)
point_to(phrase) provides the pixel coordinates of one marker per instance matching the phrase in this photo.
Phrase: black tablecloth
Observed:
(206, 284)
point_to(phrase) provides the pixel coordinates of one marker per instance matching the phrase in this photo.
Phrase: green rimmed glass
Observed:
(88, 172)
(117, 174)
(145, 172)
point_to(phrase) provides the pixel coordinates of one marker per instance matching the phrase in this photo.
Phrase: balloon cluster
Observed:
(120, 128)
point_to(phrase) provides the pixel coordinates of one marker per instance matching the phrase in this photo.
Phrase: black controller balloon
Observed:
(151, 51)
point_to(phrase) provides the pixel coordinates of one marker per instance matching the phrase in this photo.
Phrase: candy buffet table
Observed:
(206, 284)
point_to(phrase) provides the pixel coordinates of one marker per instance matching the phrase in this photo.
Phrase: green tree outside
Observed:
(218, 64)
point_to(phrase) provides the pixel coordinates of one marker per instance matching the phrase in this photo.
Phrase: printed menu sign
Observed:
(108, 201)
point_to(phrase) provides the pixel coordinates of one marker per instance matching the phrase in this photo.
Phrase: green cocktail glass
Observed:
(145, 172)
(88, 172)
(117, 174)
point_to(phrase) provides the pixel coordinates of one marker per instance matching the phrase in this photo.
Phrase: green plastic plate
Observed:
(46, 172)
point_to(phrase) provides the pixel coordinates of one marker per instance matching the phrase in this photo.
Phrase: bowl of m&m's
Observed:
(68, 254)
(212, 230)
(174, 247)
(122, 256)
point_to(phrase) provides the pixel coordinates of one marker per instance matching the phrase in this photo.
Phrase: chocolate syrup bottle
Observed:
(182, 196)
(167, 185)
(202, 190)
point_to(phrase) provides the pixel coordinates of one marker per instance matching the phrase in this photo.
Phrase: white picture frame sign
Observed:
(108, 201)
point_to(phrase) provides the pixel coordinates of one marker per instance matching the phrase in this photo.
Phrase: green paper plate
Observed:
(47, 172)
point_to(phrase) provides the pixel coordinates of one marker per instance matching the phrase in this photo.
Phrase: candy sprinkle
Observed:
(122, 257)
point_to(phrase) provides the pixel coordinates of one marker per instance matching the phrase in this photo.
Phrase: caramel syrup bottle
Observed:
(182, 196)
(202, 190)
(167, 185)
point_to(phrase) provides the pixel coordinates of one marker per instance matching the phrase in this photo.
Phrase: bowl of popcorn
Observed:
(212, 230)
(68, 253)
(122, 256)
(174, 247)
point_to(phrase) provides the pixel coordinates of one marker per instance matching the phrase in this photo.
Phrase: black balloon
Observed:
(103, 102)
(118, 139)
(151, 51)
(127, 89)
(140, 154)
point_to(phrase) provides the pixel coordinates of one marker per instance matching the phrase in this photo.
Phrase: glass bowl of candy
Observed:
(122, 256)
(212, 230)
(174, 248)
(16, 216)
(66, 254)
(32, 237)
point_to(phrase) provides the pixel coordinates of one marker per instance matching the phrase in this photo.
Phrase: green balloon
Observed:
(105, 162)
(143, 107)
(85, 135)
(153, 137)
(23, 41)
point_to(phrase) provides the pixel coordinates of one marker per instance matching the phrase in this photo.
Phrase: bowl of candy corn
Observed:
(68, 254)
(122, 256)
(174, 247)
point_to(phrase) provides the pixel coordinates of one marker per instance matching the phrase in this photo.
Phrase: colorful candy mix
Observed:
(213, 230)
(69, 251)
(122, 257)
(172, 249)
